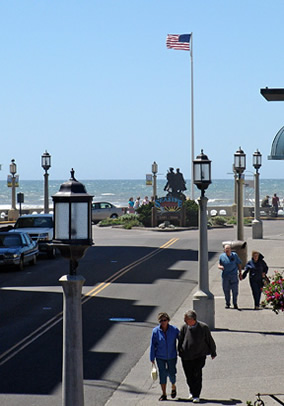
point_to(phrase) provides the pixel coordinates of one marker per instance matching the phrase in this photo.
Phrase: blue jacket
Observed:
(230, 265)
(163, 345)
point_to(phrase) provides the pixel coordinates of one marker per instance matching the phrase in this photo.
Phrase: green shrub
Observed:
(144, 214)
(191, 213)
(232, 220)
(218, 220)
(127, 221)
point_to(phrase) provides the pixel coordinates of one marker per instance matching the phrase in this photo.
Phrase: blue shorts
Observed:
(167, 367)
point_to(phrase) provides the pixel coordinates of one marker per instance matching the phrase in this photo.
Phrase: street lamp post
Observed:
(72, 236)
(154, 171)
(13, 213)
(240, 166)
(257, 223)
(203, 299)
(46, 164)
(13, 171)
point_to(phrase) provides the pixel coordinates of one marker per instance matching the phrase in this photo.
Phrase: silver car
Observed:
(103, 210)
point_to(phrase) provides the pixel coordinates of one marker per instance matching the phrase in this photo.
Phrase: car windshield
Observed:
(33, 222)
(8, 241)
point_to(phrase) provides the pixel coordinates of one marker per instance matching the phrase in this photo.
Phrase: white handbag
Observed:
(154, 373)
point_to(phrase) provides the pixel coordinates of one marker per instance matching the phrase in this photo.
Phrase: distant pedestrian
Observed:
(164, 350)
(131, 205)
(230, 264)
(275, 204)
(194, 344)
(257, 269)
(137, 203)
(146, 200)
(265, 202)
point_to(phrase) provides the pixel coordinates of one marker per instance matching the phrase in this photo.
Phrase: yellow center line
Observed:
(124, 270)
(30, 338)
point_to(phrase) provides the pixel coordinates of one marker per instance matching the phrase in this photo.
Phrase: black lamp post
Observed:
(72, 221)
(154, 171)
(202, 172)
(46, 164)
(13, 171)
(257, 223)
(203, 299)
(72, 236)
(240, 166)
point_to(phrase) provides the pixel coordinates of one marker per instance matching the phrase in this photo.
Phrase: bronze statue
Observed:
(175, 183)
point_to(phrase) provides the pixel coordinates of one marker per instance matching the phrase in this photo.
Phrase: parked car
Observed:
(40, 228)
(103, 210)
(17, 249)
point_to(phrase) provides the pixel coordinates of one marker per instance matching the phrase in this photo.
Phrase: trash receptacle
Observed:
(240, 248)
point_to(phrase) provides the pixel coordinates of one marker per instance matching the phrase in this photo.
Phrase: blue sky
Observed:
(93, 83)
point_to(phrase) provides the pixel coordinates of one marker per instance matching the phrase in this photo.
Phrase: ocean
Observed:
(118, 192)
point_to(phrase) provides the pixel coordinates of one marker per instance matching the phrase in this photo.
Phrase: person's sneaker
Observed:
(227, 306)
(235, 306)
(257, 308)
(195, 400)
(190, 397)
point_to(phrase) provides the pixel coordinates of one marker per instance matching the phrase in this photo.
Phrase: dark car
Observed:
(40, 228)
(17, 249)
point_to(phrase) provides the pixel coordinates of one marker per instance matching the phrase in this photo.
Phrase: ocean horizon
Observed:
(118, 191)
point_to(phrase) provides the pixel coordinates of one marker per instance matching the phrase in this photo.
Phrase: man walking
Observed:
(230, 264)
(194, 344)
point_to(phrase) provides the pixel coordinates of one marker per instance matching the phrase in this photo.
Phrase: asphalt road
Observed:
(130, 275)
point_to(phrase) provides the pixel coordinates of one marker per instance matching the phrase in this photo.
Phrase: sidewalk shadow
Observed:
(227, 330)
(213, 401)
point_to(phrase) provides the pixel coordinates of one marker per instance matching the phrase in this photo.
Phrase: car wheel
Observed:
(51, 253)
(114, 216)
(21, 264)
(33, 261)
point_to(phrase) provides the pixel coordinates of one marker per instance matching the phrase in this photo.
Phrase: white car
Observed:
(40, 229)
(103, 210)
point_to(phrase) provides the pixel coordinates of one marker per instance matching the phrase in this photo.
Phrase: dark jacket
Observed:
(195, 342)
(256, 269)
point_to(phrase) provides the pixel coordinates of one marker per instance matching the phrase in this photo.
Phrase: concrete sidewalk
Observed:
(250, 347)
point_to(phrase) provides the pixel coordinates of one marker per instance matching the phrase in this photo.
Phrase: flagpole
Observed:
(192, 117)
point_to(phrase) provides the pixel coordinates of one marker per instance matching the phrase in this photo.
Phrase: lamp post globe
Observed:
(240, 161)
(202, 172)
(257, 160)
(46, 160)
(13, 167)
(72, 220)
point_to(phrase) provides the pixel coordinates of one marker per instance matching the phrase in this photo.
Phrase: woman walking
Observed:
(257, 269)
(163, 349)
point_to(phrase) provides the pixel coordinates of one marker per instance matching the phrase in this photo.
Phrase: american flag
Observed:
(178, 41)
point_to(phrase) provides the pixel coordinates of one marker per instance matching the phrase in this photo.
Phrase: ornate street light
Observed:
(257, 160)
(13, 171)
(72, 236)
(46, 164)
(72, 221)
(203, 299)
(154, 171)
(257, 223)
(240, 161)
(202, 172)
(240, 166)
